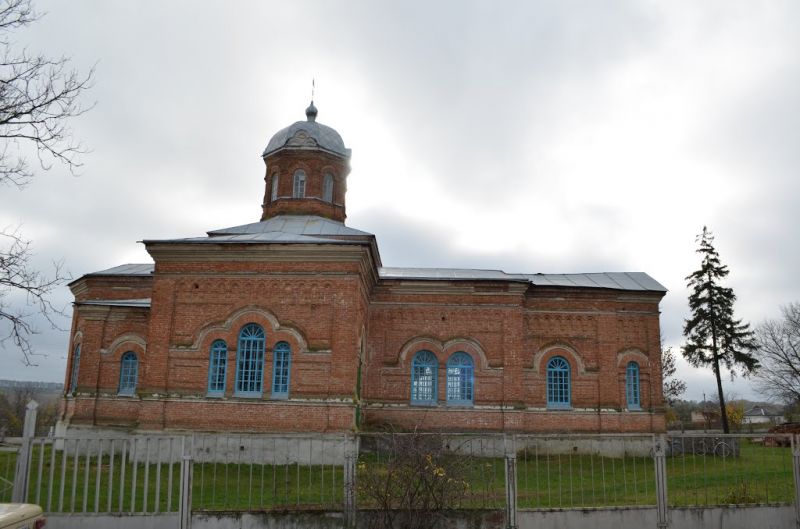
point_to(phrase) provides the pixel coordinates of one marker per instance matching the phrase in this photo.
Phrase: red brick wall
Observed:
(324, 309)
(283, 165)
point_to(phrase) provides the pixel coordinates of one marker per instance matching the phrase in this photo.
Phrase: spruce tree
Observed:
(714, 337)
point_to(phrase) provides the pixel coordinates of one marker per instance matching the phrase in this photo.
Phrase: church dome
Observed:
(308, 135)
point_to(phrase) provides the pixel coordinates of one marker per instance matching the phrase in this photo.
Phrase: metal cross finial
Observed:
(312, 90)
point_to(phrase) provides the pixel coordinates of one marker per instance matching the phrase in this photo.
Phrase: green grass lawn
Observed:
(758, 475)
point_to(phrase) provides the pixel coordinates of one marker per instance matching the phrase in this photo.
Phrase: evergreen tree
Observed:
(713, 336)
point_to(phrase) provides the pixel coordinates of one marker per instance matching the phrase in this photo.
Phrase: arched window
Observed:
(128, 373)
(632, 386)
(250, 361)
(76, 362)
(558, 382)
(217, 364)
(460, 379)
(327, 188)
(281, 366)
(275, 187)
(299, 184)
(424, 369)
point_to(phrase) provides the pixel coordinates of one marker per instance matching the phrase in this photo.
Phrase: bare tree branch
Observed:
(779, 344)
(38, 97)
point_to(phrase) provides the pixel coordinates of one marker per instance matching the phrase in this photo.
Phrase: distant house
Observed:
(762, 415)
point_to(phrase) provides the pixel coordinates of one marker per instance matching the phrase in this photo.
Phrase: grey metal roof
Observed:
(132, 269)
(317, 136)
(612, 280)
(256, 238)
(283, 229)
(140, 303)
(294, 224)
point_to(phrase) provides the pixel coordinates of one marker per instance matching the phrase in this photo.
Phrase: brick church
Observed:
(293, 324)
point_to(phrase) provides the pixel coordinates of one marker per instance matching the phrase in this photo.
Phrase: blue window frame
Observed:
(281, 367)
(299, 190)
(632, 386)
(424, 370)
(217, 366)
(128, 373)
(558, 383)
(76, 363)
(250, 361)
(327, 188)
(460, 379)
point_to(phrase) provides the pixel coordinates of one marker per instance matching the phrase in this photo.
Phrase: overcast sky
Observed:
(525, 136)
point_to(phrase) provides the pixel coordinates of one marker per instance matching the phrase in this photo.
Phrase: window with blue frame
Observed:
(424, 368)
(128, 373)
(299, 190)
(217, 366)
(558, 383)
(76, 362)
(327, 188)
(250, 361)
(460, 379)
(281, 366)
(632, 386)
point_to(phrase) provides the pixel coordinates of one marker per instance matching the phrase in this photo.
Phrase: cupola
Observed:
(307, 167)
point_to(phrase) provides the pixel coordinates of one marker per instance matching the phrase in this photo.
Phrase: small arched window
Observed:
(281, 367)
(424, 370)
(250, 361)
(558, 383)
(632, 386)
(460, 379)
(128, 373)
(327, 188)
(299, 190)
(76, 362)
(274, 187)
(217, 364)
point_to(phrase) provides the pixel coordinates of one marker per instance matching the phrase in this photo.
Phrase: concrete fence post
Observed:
(796, 473)
(511, 481)
(20, 492)
(350, 456)
(185, 508)
(660, 461)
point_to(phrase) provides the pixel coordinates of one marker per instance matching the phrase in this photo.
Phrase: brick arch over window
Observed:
(632, 354)
(543, 355)
(443, 350)
(229, 329)
(126, 340)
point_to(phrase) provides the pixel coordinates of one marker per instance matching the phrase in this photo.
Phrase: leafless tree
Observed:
(411, 479)
(38, 96)
(779, 344)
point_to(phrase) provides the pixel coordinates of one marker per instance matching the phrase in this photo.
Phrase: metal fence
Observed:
(263, 472)
(374, 471)
(8, 460)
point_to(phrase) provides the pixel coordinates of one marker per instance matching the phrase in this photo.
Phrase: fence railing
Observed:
(377, 471)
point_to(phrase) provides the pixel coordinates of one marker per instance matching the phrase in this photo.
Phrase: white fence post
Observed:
(660, 460)
(350, 455)
(511, 482)
(796, 472)
(20, 492)
(185, 509)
